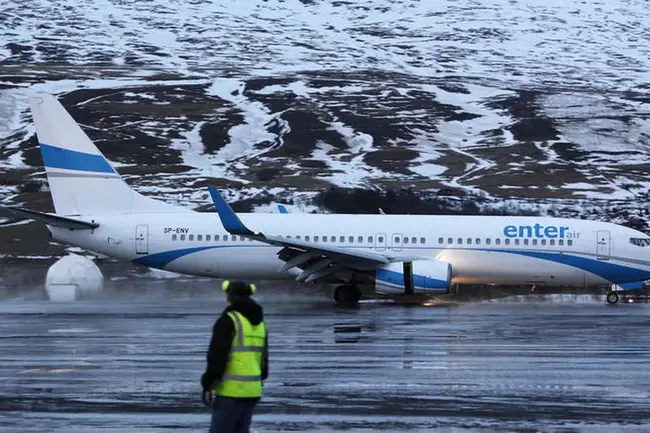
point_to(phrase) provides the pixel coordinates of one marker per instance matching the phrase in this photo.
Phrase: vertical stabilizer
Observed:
(82, 181)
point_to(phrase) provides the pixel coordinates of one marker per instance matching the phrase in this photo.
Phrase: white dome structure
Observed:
(72, 276)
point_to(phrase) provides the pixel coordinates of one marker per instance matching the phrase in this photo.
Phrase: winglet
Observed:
(229, 218)
(282, 208)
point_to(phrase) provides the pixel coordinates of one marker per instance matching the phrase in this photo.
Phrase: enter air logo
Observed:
(540, 231)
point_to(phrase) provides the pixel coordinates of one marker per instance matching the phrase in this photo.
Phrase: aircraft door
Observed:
(397, 240)
(142, 239)
(603, 244)
(380, 241)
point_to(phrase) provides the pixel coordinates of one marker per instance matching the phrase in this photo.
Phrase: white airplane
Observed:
(96, 210)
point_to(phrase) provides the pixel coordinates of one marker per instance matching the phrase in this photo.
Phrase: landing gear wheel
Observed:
(347, 294)
(612, 297)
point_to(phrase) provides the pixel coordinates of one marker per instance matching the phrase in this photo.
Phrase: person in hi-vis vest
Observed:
(237, 361)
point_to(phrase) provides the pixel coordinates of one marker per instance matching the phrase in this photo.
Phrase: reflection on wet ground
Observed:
(526, 366)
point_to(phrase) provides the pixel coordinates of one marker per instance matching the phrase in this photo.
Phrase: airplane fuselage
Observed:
(480, 249)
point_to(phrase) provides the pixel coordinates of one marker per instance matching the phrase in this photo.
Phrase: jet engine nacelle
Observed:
(427, 276)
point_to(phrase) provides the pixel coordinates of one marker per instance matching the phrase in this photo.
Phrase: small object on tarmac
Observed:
(347, 328)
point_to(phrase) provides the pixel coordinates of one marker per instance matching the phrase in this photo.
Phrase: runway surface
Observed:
(574, 365)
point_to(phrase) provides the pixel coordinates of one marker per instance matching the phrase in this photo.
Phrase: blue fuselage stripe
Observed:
(160, 260)
(604, 269)
(57, 157)
(609, 271)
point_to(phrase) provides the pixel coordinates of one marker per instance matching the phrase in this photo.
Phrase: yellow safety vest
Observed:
(243, 375)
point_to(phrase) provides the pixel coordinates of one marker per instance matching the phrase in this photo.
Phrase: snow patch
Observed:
(252, 131)
(9, 113)
(162, 274)
(579, 185)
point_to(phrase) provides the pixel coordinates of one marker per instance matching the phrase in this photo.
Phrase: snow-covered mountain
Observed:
(471, 106)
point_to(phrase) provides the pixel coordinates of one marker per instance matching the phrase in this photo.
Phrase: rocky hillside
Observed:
(329, 106)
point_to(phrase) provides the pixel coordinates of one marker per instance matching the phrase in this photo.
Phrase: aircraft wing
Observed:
(316, 260)
(46, 218)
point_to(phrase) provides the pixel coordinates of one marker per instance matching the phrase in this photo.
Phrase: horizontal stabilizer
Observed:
(46, 218)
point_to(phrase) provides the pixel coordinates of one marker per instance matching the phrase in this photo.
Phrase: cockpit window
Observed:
(640, 242)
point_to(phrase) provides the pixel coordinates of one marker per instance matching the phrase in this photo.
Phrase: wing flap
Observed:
(235, 226)
(315, 259)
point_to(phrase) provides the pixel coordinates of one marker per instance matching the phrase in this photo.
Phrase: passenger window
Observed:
(233, 238)
(507, 241)
(397, 239)
(406, 240)
(351, 239)
(241, 238)
(516, 241)
(441, 240)
(640, 242)
(174, 237)
(380, 239)
(551, 242)
(469, 241)
(497, 241)
(190, 237)
(560, 242)
(569, 242)
(182, 237)
(315, 238)
(342, 239)
(460, 241)
(543, 241)
(369, 239)
(297, 236)
(423, 240)
(534, 241)
(199, 237)
(307, 238)
(478, 241)
(360, 239)
(525, 241)
(208, 237)
(414, 240)
(332, 239)
(450, 241)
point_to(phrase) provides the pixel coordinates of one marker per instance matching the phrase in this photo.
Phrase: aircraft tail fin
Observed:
(82, 181)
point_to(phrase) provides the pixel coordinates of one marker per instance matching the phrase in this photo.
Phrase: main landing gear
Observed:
(347, 294)
(628, 296)
(612, 297)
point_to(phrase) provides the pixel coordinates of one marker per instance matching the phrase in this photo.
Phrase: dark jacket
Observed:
(221, 342)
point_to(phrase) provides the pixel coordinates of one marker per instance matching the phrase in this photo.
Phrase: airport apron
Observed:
(243, 375)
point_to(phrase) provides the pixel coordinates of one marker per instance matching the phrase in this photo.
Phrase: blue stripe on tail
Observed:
(57, 157)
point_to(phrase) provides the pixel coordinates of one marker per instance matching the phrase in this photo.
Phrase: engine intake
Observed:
(427, 276)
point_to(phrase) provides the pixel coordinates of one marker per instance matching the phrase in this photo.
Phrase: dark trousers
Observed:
(231, 415)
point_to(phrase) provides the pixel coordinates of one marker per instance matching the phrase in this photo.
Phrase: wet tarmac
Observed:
(567, 365)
